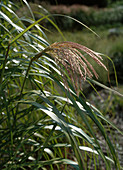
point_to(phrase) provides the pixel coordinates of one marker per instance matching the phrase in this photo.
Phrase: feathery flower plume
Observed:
(68, 56)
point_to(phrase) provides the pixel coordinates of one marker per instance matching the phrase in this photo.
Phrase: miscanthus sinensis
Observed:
(69, 57)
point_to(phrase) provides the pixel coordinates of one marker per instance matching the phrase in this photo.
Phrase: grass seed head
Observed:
(68, 56)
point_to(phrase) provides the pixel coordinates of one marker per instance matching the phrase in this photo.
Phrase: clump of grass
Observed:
(35, 119)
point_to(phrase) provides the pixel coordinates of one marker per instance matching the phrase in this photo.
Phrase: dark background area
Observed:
(99, 3)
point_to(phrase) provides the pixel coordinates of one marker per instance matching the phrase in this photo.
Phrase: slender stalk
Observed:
(4, 64)
(22, 89)
(36, 57)
(25, 77)
(46, 142)
(33, 59)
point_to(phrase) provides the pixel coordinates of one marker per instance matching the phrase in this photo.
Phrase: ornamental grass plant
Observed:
(38, 125)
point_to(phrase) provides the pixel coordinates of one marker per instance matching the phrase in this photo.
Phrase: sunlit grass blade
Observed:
(4, 16)
(13, 13)
(61, 15)
(5, 28)
(40, 39)
(55, 25)
(115, 73)
(42, 164)
(97, 122)
(27, 4)
(102, 130)
(100, 115)
(38, 26)
(105, 87)
(55, 115)
(27, 29)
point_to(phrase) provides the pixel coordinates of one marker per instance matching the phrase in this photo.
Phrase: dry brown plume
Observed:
(68, 55)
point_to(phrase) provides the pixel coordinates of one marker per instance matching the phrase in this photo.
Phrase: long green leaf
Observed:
(27, 29)
(105, 87)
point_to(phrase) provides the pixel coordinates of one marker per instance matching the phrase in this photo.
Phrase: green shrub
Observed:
(108, 17)
(90, 16)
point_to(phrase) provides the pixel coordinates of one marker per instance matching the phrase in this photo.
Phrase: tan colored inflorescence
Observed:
(68, 56)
